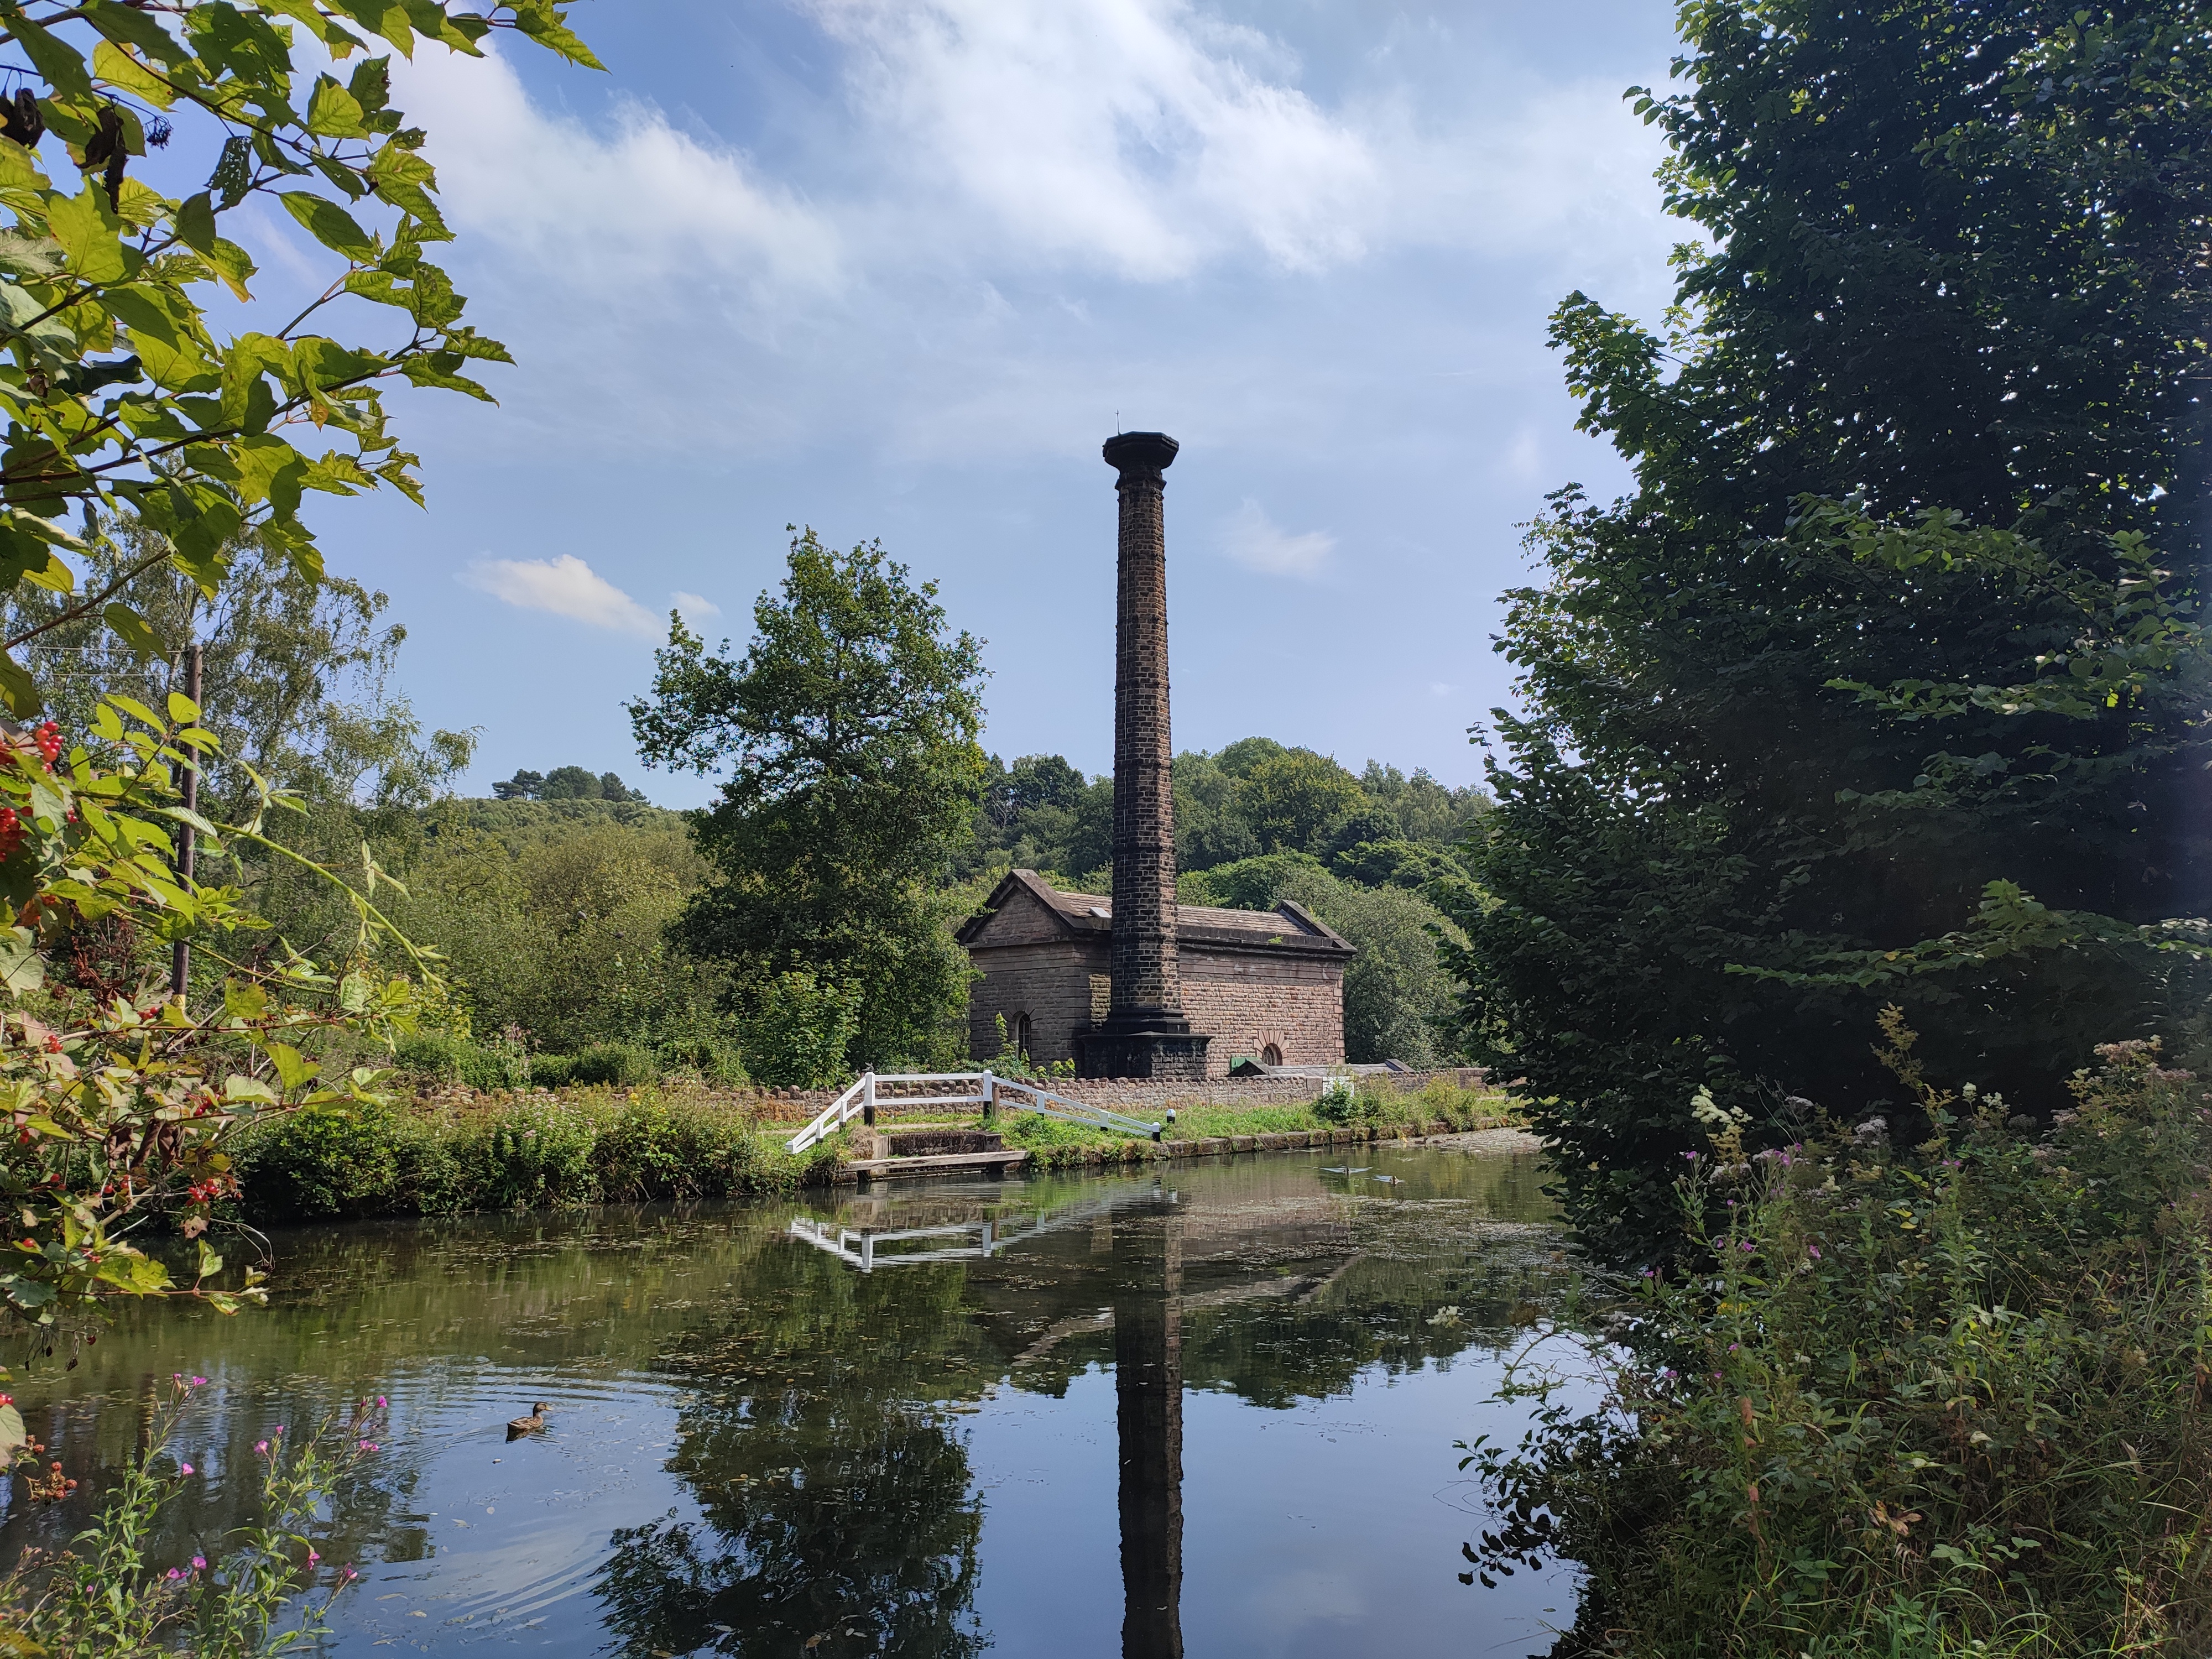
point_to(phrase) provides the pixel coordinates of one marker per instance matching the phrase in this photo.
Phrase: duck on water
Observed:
(519, 1426)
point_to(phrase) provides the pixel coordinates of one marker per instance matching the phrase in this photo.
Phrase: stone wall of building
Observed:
(1051, 981)
(1247, 1002)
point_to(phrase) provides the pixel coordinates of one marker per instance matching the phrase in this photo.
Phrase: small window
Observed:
(1271, 1055)
(1020, 1033)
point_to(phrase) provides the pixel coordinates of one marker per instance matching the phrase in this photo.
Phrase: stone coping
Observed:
(1109, 1154)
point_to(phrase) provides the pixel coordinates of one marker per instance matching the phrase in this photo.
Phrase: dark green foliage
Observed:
(848, 728)
(435, 1055)
(567, 783)
(620, 1064)
(1926, 1403)
(1254, 797)
(1886, 682)
(520, 1153)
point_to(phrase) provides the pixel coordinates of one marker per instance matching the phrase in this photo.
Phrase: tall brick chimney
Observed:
(1145, 1033)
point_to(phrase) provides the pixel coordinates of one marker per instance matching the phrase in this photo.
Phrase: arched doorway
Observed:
(1271, 1055)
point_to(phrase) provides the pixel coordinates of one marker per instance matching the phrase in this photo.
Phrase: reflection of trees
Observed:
(872, 1551)
(835, 1498)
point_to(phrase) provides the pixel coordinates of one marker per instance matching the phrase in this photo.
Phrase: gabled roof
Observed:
(1288, 926)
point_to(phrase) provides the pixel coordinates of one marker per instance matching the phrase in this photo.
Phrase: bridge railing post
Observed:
(868, 1100)
(990, 1101)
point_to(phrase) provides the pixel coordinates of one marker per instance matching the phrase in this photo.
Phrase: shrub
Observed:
(552, 1071)
(616, 1064)
(1344, 1104)
(532, 1155)
(322, 1162)
(457, 1060)
(1906, 1403)
(799, 1030)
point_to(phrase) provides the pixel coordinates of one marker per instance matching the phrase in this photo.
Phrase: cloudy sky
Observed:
(895, 268)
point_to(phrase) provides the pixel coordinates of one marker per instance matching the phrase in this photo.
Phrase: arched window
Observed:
(1271, 1055)
(1019, 1032)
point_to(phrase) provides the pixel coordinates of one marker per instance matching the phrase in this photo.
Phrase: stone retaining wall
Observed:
(1147, 1151)
(1120, 1094)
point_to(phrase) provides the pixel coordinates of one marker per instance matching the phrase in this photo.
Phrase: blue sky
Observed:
(895, 268)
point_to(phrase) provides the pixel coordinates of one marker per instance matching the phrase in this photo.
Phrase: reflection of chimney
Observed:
(1148, 1415)
(1146, 1034)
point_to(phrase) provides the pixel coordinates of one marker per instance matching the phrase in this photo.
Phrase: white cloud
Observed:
(1255, 542)
(1131, 134)
(696, 607)
(604, 214)
(567, 586)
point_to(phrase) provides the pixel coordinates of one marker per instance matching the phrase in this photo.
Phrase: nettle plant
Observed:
(116, 1097)
(118, 389)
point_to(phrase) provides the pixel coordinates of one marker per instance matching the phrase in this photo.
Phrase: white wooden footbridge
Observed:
(982, 1089)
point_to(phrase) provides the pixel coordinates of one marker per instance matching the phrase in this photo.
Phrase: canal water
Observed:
(1206, 1409)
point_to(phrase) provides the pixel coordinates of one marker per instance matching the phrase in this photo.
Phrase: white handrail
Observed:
(861, 1099)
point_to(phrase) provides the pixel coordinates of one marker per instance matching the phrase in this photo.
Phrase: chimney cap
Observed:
(1153, 450)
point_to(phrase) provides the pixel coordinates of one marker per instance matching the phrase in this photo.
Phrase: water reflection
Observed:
(863, 1423)
(1147, 1251)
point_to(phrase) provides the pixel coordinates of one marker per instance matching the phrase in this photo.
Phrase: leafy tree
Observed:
(297, 678)
(118, 391)
(848, 728)
(1288, 799)
(523, 785)
(1885, 683)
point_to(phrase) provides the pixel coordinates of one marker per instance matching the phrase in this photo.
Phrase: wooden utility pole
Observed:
(180, 960)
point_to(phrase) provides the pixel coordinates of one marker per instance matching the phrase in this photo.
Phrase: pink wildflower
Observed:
(261, 1446)
(199, 1563)
(183, 1468)
(311, 1556)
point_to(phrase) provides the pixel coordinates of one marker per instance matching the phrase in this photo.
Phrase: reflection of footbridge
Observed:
(980, 1239)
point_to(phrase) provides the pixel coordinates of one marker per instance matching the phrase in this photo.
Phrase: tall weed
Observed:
(1939, 1400)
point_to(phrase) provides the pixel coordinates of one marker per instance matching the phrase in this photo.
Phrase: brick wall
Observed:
(1050, 982)
(1246, 1002)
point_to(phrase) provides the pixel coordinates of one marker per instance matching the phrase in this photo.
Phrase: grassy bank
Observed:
(1054, 1144)
(445, 1157)
(1908, 1402)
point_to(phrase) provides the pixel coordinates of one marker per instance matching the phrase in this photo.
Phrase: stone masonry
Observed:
(1146, 1032)
(1253, 980)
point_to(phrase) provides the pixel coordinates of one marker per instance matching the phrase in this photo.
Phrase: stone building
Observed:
(1264, 985)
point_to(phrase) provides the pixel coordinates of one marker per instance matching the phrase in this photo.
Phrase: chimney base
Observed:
(1163, 1047)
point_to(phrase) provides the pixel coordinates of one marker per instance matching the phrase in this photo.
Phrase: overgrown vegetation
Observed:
(1935, 1400)
(530, 1151)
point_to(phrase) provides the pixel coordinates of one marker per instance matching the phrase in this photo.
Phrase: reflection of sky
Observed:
(1326, 1531)
(708, 1369)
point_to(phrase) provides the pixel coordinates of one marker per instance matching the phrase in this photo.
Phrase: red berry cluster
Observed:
(49, 736)
(11, 831)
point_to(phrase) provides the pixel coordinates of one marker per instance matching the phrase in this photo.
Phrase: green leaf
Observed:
(60, 64)
(328, 224)
(22, 969)
(194, 222)
(118, 67)
(127, 26)
(90, 233)
(138, 633)
(548, 25)
(291, 1067)
(17, 689)
(183, 711)
(334, 112)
